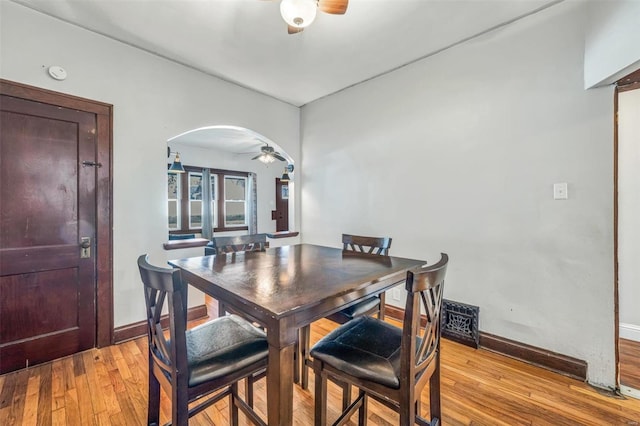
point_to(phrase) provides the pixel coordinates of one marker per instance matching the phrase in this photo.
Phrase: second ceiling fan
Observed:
(268, 155)
(299, 14)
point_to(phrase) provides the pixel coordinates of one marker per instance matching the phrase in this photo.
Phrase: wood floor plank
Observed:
(44, 397)
(120, 363)
(59, 417)
(137, 397)
(71, 407)
(93, 382)
(124, 400)
(57, 385)
(629, 363)
(136, 360)
(16, 407)
(30, 414)
(104, 385)
(119, 419)
(102, 419)
(85, 401)
(2, 380)
(108, 386)
(6, 397)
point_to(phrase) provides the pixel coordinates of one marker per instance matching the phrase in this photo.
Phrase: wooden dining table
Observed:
(286, 288)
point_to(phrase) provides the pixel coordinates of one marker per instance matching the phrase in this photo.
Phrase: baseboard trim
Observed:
(631, 392)
(568, 366)
(629, 332)
(398, 313)
(137, 329)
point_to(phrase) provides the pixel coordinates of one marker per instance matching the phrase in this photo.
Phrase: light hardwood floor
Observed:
(629, 363)
(108, 387)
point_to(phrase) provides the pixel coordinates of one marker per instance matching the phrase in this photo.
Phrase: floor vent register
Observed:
(460, 323)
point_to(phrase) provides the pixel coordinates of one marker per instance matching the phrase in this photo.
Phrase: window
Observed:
(173, 196)
(235, 201)
(185, 206)
(195, 200)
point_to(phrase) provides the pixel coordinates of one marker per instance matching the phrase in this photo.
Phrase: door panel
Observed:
(35, 300)
(47, 291)
(282, 205)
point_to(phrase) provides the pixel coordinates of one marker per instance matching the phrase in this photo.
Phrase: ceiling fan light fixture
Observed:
(298, 13)
(266, 159)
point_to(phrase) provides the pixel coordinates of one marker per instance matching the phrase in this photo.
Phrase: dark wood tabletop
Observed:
(285, 288)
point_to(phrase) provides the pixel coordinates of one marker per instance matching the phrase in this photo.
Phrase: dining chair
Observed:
(204, 363)
(387, 363)
(237, 243)
(378, 246)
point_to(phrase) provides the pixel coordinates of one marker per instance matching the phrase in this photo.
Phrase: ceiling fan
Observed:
(268, 155)
(299, 14)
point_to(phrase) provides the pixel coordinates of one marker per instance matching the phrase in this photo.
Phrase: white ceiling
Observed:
(246, 41)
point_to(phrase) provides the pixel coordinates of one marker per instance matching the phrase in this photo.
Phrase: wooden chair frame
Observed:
(375, 246)
(251, 242)
(168, 368)
(420, 364)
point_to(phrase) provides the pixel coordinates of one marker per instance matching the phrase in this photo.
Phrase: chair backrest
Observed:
(421, 342)
(165, 285)
(369, 245)
(252, 242)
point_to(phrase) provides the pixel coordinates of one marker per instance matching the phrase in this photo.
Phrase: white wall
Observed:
(153, 99)
(628, 213)
(612, 47)
(458, 153)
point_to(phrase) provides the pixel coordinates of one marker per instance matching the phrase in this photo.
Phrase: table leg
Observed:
(280, 385)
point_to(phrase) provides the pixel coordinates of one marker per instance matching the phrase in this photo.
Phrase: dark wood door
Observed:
(48, 205)
(282, 206)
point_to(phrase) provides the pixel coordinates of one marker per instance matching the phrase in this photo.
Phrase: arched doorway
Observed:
(234, 156)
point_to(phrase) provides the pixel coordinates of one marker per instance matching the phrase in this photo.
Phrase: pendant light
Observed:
(176, 166)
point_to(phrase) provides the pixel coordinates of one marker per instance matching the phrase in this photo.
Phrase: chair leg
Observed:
(233, 406)
(297, 357)
(320, 415)
(407, 412)
(346, 395)
(362, 411)
(248, 390)
(434, 389)
(179, 406)
(382, 306)
(153, 406)
(304, 344)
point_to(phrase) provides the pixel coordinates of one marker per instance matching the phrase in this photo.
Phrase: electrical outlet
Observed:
(560, 191)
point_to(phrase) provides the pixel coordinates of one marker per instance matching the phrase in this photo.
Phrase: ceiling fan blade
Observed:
(294, 30)
(256, 157)
(334, 7)
(277, 156)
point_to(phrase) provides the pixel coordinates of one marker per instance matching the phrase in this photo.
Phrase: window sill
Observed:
(179, 244)
(283, 234)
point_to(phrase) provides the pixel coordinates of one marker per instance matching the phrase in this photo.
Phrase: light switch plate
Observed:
(560, 191)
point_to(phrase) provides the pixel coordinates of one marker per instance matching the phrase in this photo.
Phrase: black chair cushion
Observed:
(366, 348)
(353, 311)
(222, 346)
